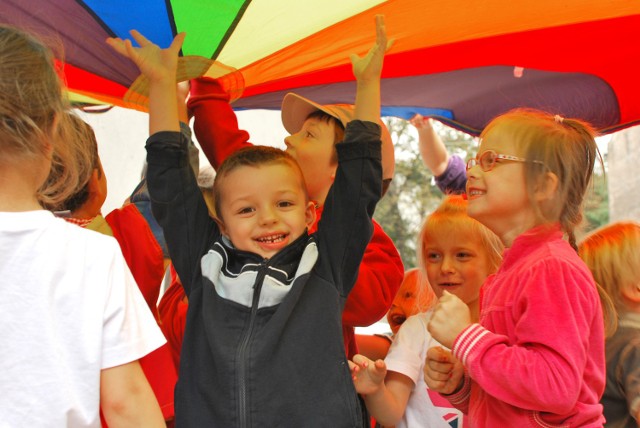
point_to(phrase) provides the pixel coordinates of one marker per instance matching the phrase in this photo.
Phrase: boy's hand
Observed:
(450, 316)
(369, 67)
(367, 375)
(155, 63)
(442, 371)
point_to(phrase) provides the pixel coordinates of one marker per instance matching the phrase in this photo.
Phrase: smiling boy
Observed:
(261, 201)
(314, 131)
(263, 343)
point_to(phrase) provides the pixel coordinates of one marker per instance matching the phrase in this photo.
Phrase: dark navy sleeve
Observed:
(178, 205)
(346, 225)
(140, 195)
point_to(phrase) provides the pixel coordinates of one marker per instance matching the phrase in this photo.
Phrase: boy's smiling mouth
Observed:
(272, 239)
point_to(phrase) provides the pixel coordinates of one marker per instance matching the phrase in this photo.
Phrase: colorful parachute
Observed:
(462, 61)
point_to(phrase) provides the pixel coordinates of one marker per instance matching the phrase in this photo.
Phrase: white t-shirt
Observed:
(69, 308)
(407, 355)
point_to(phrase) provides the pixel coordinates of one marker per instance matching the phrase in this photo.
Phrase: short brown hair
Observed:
(253, 156)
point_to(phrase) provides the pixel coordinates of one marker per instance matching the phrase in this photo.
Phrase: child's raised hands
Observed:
(155, 63)
(367, 375)
(420, 122)
(159, 66)
(370, 66)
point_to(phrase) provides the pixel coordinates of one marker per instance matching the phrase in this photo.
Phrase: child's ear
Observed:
(221, 226)
(546, 187)
(631, 293)
(310, 214)
(94, 187)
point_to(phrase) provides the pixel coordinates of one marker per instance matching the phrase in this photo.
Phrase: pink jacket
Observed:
(537, 357)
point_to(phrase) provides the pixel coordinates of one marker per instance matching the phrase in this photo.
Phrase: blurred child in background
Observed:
(613, 255)
(414, 295)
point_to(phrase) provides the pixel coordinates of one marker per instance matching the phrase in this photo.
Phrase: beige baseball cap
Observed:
(296, 109)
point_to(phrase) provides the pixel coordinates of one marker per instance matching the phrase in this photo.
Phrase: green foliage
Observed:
(596, 206)
(413, 193)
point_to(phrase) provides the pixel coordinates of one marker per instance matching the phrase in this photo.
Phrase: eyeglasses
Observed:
(489, 158)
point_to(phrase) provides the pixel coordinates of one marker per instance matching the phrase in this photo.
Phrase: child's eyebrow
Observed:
(238, 199)
(313, 121)
(287, 192)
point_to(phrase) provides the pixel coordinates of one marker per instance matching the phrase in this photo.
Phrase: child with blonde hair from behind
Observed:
(457, 253)
(536, 356)
(613, 255)
(76, 323)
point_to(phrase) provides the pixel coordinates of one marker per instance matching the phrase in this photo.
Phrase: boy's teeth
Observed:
(272, 239)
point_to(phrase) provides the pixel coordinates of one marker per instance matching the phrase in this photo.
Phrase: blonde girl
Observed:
(456, 253)
(536, 356)
(75, 322)
(613, 255)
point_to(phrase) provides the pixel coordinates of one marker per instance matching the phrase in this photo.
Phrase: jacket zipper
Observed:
(241, 354)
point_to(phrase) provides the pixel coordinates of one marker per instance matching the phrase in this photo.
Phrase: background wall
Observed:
(624, 175)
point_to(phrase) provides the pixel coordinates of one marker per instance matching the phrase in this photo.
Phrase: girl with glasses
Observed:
(535, 358)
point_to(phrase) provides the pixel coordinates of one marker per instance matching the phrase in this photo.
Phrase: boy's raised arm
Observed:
(367, 70)
(177, 203)
(214, 121)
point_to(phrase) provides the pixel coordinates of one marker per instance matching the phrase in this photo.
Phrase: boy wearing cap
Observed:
(314, 130)
(263, 343)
